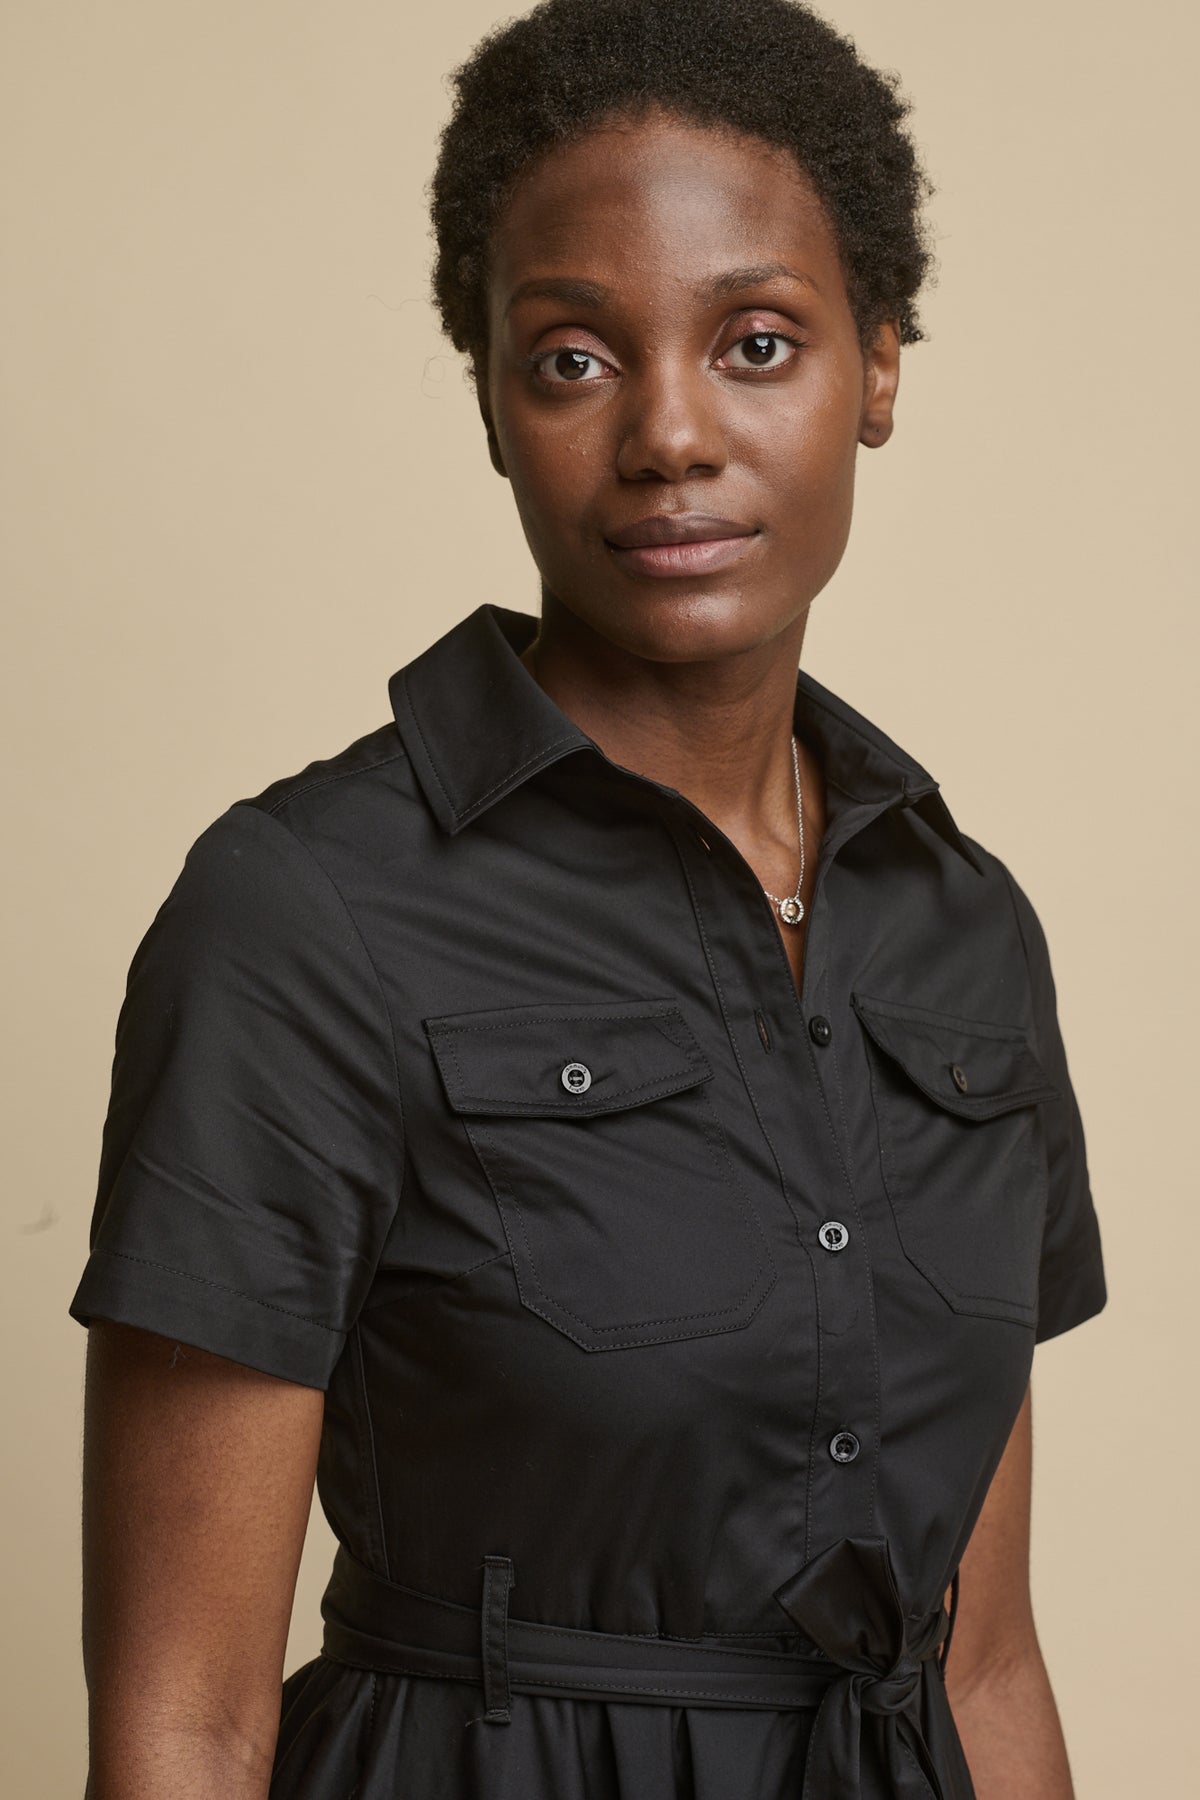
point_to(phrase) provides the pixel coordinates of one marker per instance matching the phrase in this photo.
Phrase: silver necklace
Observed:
(791, 908)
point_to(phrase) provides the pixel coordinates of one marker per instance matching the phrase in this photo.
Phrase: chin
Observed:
(685, 624)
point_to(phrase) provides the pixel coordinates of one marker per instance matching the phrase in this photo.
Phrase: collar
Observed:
(476, 725)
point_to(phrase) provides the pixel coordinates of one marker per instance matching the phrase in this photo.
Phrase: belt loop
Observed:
(498, 1578)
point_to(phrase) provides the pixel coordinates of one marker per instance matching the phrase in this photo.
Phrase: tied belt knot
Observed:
(846, 1600)
(884, 1694)
(867, 1675)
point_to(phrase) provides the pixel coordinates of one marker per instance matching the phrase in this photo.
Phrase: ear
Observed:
(881, 377)
(479, 377)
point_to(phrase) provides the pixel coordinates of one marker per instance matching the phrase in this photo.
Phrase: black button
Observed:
(819, 1029)
(833, 1235)
(959, 1077)
(843, 1446)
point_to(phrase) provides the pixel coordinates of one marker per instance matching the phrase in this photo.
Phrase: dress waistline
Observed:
(378, 1624)
(864, 1678)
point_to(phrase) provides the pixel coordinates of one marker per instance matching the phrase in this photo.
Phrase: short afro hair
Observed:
(770, 68)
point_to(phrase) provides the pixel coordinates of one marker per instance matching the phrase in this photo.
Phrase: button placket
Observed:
(797, 1101)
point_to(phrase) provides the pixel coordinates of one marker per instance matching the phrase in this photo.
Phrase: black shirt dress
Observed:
(671, 1323)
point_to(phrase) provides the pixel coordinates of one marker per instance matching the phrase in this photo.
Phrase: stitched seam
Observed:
(222, 1287)
(720, 993)
(994, 1030)
(1017, 1311)
(622, 1687)
(868, 1265)
(433, 768)
(981, 1106)
(538, 756)
(785, 1658)
(497, 1575)
(460, 812)
(716, 1312)
(697, 1064)
(556, 1106)
(714, 976)
(327, 781)
(591, 1018)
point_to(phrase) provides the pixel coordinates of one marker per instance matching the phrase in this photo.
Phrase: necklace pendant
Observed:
(791, 910)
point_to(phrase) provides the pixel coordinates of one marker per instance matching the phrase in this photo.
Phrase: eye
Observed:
(565, 366)
(762, 350)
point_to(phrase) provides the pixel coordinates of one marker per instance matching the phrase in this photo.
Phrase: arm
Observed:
(997, 1682)
(197, 1481)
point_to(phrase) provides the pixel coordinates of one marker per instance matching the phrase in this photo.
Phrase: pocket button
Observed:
(959, 1077)
(843, 1446)
(577, 1078)
(833, 1235)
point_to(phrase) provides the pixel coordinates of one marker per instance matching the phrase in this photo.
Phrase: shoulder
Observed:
(276, 868)
(329, 797)
(361, 765)
(328, 813)
(1007, 892)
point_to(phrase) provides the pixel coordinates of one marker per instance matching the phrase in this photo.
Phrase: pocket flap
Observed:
(552, 1061)
(968, 1066)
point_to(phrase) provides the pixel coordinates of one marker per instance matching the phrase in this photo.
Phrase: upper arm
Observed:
(198, 1478)
(994, 1624)
(253, 1147)
(249, 1172)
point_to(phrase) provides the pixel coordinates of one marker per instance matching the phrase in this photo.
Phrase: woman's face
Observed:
(669, 333)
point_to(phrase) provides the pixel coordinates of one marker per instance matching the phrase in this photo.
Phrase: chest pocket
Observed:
(624, 1213)
(958, 1104)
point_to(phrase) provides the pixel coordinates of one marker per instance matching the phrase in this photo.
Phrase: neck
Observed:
(718, 731)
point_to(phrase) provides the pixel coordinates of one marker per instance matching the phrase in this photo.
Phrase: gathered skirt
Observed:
(354, 1734)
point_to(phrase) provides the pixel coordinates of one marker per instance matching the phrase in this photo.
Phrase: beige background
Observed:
(244, 481)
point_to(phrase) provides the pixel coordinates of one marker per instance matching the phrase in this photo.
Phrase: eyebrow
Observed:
(577, 292)
(734, 280)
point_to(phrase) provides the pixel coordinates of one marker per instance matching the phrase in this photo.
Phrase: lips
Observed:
(676, 528)
(674, 545)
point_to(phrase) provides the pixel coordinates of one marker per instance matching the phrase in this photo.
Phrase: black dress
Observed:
(671, 1324)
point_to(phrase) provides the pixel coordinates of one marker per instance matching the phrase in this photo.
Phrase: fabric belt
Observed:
(868, 1675)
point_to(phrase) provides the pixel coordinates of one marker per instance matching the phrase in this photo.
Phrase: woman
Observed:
(608, 1123)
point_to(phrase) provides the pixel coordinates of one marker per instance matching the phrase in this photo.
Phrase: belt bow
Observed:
(847, 1601)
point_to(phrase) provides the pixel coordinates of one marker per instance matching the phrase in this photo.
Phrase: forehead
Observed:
(659, 198)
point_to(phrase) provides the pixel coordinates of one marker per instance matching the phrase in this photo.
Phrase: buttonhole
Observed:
(763, 1033)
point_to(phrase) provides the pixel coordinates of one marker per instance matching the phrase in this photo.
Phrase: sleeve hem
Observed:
(1077, 1300)
(195, 1310)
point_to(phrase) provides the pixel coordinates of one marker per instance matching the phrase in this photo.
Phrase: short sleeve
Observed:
(252, 1150)
(1071, 1284)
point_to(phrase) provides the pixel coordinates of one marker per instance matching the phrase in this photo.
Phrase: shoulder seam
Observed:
(327, 781)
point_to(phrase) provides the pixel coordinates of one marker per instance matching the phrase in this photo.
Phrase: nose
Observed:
(670, 424)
